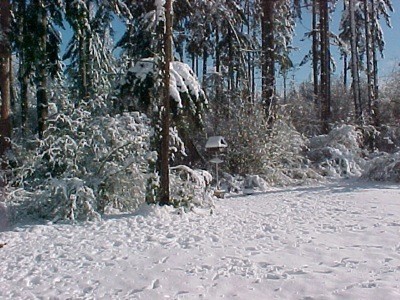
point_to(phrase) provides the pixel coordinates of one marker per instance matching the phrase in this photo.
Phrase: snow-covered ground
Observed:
(337, 241)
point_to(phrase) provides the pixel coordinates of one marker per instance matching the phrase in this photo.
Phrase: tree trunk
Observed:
(345, 63)
(268, 57)
(23, 73)
(12, 90)
(217, 51)
(197, 66)
(345, 66)
(315, 54)
(82, 68)
(368, 51)
(355, 65)
(375, 108)
(24, 84)
(5, 87)
(325, 95)
(230, 65)
(249, 56)
(164, 191)
(41, 89)
(205, 56)
(253, 73)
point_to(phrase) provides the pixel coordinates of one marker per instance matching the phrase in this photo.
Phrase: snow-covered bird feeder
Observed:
(216, 145)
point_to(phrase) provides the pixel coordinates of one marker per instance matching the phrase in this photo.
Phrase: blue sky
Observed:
(386, 65)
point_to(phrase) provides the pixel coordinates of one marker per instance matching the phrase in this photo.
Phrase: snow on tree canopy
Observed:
(137, 88)
(160, 10)
(182, 80)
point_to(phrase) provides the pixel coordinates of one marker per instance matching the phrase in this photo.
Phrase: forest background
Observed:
(85, 130)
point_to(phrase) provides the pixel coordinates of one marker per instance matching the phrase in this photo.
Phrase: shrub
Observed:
(384, 167)
(83, 165)
(338, 153)
(190, 188)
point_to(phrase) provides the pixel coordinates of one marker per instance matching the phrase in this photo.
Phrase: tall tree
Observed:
(368, 54)
(42, 68)
(285, 15)
(360, 28)
(345, 56)
(355, 65)
(5, 72)
(37, 43)
(144, 85)
(24, 44)
(325, 80)
(268, 56)
(315, 51)
(91, 62)
(377, 10)
(167, 58)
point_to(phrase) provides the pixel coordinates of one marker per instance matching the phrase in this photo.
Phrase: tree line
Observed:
(237, 48)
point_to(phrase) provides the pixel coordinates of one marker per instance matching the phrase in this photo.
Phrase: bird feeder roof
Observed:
(216, 142)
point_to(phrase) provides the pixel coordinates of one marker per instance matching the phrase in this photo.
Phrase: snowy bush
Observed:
(304, 110)
(387, 139)
(190, 187)
(338, 153)
(385, 167)
(255, 181)
(83, 165)
(254, 148)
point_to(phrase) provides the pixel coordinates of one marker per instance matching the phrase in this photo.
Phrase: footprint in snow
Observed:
(155, 284)
(162, 260)
(181, 293)
(214, 238)
(117, 243)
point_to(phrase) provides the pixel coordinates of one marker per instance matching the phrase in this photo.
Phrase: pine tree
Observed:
(373, 11)
(37, 43)
(361, 29)
(89, 51)
(285, 23)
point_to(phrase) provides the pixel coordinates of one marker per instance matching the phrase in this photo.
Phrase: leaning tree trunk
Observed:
(5, 86)
(325, 95)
